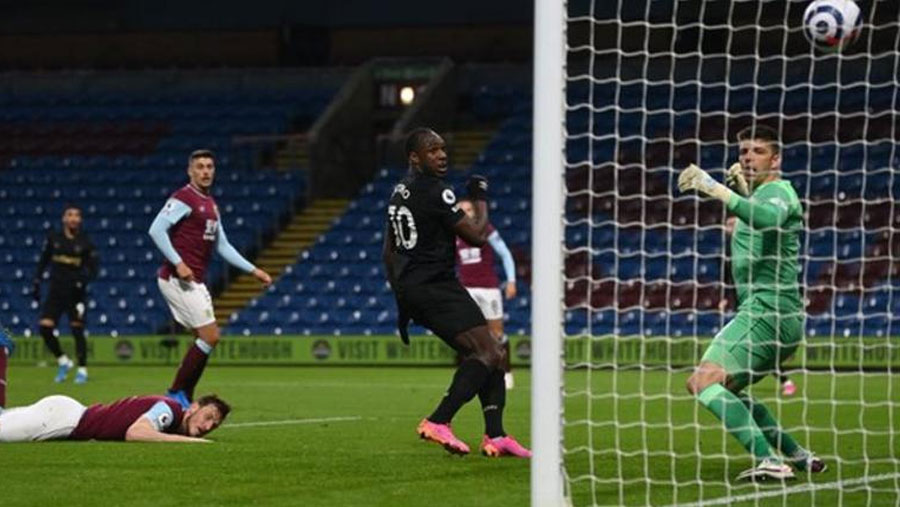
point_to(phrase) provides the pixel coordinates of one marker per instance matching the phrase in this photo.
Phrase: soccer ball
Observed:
(832, 25)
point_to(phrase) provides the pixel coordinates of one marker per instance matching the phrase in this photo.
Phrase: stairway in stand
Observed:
(298, 235)
(467, 146)
(294, 153)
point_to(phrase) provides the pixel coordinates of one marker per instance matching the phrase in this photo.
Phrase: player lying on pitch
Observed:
(137, 418)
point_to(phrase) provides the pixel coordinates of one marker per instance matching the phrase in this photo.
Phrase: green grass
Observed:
(377, 460)
(662, 432)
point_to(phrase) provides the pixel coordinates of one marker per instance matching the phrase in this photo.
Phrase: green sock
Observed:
(737, 418)
(776, 437)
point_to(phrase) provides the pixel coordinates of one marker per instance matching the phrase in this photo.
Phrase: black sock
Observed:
(493, 398)
(506, 366)
(80, 345)
(51, 341)
(469, 378)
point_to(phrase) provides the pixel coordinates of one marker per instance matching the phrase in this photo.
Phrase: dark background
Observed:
(140, 34)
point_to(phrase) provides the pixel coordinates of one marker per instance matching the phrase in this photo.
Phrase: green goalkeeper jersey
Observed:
(765, 248)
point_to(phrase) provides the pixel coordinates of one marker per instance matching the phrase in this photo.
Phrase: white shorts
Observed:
(489, 301)
(190, 302)
(51, 418)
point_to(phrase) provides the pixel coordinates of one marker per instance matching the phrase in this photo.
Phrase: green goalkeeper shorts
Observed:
(754, 345)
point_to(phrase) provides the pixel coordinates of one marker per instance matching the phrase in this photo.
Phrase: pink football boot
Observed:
(503, 446)
(788, 388)
(442, 434)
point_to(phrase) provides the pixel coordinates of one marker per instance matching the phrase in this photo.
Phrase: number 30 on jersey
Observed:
(404, 226)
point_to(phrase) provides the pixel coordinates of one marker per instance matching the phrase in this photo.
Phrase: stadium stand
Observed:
(338, 286)
(118, 156)
(670, 277)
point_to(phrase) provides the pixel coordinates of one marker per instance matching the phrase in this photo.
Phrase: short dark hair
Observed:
(70, 205)
(201, 154)
(219, 403)
(414, 139)
(762, 133)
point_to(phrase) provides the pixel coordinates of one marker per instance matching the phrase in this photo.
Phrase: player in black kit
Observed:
(73, 262)
(423, 220)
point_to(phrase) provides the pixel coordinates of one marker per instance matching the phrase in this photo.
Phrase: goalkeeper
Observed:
(769, 324)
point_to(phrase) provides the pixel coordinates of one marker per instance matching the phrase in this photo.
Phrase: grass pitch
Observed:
(346, 436)
(340, 437)
(638, 438)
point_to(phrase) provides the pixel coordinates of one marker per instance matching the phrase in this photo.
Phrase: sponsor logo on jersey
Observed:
(67, 259)
(777, 201)
(470, 255)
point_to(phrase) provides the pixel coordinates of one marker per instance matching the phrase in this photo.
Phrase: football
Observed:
(832, 25)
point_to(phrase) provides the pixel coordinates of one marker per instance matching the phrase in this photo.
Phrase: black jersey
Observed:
(73, 261)
(421, 215)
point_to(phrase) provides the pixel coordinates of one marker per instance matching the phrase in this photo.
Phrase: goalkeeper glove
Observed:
(734, 178)
(477, 188)
(694, 178)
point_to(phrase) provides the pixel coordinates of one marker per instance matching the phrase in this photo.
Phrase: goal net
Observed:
(651, 86)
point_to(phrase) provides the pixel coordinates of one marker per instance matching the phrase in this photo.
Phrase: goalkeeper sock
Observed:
(777, 438)
(493, 398)
(737, 418)
(467, 381)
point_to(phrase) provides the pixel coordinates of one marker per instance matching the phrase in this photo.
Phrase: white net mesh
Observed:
(651, 87)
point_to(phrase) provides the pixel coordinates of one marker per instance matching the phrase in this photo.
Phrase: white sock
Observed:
(63, 359)
(203, 346)
(82, 370)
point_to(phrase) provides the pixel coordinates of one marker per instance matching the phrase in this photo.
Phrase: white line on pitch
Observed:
(294, 421)
(803, 488)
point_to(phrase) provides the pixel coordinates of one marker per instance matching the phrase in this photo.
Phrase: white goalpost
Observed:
(631, 278)
(547, 254)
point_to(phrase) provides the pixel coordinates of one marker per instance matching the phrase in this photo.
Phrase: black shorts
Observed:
(68, 300)
(443, 307)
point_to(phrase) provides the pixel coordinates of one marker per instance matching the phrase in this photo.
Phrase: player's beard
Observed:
(440, 171)
(204, 188)
(187, 426)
